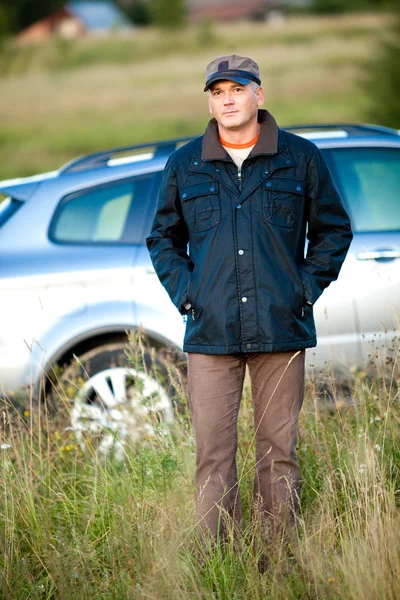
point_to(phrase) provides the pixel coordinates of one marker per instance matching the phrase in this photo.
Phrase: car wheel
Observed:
(112, 400)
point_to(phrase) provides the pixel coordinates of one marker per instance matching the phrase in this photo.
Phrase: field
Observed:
(62, 99)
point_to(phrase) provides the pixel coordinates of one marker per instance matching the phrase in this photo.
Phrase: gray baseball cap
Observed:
(237, 68)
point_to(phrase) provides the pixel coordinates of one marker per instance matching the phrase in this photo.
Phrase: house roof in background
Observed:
(99, 14)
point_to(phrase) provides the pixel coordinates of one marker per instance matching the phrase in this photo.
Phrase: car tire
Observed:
(117, 393)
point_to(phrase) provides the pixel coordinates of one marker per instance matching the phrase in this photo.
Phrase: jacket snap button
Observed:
(217, 170)
(239, 206)
(212, 189)
(244, 299)
(248, 345)
(184, 195)
(298, 188)
(288, 162)
(196, 162)
(241, 252)
(266, 172)
(269, 184)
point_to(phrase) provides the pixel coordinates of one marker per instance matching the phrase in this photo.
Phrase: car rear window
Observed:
(8, 207)
(369, 181)
(110, 214)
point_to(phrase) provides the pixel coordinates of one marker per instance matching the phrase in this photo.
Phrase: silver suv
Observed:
(75, 274)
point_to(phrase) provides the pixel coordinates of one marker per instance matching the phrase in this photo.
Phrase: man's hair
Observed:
(253, 84)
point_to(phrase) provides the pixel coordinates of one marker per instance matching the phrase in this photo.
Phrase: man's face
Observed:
(234, 106)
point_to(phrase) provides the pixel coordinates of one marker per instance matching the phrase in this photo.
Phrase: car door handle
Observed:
(379, 255)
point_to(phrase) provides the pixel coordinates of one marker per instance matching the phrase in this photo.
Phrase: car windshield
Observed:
(369, 180)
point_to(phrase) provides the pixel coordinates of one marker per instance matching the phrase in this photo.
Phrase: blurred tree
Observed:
(5, 24)
(138, 10)
(338, 6)
(168, 13)
(21, 13)
(382, 84)
(4, 17)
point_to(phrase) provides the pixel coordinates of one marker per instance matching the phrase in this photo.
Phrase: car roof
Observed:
(130, 160)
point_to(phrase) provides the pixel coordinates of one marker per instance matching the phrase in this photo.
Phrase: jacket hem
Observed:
(242, 348)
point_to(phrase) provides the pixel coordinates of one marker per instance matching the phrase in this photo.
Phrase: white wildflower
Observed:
(5, 446)
(373, 419)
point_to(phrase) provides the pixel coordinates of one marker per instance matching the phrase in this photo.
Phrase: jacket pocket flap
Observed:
(200, 189)
(284, 185)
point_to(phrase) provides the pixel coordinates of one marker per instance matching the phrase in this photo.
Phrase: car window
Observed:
(8, 206)
(369, 181)
(106, 214)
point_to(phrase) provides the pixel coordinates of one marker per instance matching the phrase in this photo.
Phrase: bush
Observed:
(168, 13)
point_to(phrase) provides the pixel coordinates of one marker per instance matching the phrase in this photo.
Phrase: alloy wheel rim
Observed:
(119, 405)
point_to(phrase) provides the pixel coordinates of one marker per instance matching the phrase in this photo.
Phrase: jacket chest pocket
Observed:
(201, 205)
(282, 201)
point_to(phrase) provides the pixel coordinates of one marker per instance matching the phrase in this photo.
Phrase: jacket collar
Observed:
(267, 142)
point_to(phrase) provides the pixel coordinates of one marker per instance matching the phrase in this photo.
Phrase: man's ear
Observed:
(260, 96)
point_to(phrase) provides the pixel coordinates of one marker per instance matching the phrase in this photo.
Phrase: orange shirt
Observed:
(239, 146)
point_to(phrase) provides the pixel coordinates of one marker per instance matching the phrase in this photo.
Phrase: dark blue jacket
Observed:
(244, 272)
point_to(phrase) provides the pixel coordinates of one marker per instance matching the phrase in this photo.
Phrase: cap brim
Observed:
(228, 77)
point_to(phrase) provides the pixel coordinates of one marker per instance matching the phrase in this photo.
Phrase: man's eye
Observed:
(238, 89)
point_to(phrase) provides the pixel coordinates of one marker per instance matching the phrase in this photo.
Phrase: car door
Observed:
(98, 230)
(70, 275)
(94, 234)
(368, 179)
(154, 311)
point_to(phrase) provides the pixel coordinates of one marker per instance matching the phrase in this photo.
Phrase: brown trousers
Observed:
(215, 385)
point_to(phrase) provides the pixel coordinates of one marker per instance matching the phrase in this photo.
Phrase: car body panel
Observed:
(55, 295)
(154, 310)
(374, 282)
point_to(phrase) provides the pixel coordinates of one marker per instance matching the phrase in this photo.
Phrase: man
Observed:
(242, 197)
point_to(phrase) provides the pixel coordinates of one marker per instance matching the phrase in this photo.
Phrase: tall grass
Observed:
(78, 525)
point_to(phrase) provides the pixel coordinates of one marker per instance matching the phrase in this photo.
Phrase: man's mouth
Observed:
(230, 112)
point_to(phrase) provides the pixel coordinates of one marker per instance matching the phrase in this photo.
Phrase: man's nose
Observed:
(228, 98)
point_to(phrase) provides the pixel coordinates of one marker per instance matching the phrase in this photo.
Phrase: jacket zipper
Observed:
(185, 317)
(239, 176)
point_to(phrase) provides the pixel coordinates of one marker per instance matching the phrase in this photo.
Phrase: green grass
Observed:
(75, 525)
(62, 99)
